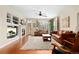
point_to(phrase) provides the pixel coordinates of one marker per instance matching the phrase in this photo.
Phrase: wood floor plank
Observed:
(33, 51)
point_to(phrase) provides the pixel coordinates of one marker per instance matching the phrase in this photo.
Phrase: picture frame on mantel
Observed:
(66, 22)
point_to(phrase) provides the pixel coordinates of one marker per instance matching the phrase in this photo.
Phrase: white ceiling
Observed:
(30, 10)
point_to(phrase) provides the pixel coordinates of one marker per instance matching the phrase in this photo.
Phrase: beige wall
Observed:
(72, 12)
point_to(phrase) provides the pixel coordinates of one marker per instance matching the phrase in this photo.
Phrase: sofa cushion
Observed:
(57, 36)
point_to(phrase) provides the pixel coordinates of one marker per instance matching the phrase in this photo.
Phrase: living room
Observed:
(40, 28)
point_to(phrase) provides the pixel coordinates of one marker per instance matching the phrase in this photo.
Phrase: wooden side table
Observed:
(46, 37)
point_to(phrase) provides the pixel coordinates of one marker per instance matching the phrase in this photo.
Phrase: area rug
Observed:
(36, 42)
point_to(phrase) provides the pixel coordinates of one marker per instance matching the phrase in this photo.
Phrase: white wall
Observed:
(3, 23)
(72, 12)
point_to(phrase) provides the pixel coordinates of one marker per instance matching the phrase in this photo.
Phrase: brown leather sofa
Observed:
(40, 32)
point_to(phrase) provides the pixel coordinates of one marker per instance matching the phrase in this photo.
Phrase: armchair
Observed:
(60, 50)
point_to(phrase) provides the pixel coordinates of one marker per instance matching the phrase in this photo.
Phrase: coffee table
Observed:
(46, 37)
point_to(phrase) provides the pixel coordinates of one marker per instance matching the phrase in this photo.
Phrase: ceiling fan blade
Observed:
(44, 15)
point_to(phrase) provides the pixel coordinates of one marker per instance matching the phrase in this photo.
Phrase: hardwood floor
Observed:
(33, 52)
(14, 48)
(19, 51)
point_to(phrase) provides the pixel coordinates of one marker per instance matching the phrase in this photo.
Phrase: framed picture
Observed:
(12, 31)
(23, 32)
(8, 17)
(22, 22)
(15, 20)
(66, 22)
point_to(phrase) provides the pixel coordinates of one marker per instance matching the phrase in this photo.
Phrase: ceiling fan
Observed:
(40, 13)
